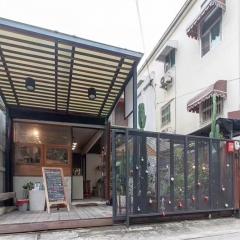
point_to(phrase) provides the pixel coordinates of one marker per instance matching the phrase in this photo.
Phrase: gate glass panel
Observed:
(203, 175)
(226, 176)
(191, 175)
(215, 176)
(177, 179)
(151, 174)
(158, 174)
(120, 174)
(164, 176)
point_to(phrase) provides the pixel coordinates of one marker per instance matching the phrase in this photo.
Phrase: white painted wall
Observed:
(147, 95)
(92, 162)
(193, 72)
(19, 181)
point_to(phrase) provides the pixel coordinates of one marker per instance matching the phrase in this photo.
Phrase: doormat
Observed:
(86, 205)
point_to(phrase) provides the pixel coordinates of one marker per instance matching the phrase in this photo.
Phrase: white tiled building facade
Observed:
(200, 47)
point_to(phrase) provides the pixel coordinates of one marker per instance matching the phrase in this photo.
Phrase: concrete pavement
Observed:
(214, 229)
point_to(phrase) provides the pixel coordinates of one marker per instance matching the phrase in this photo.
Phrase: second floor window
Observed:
(166, 115)
(206, 109)
(211, 32)
(169, 60)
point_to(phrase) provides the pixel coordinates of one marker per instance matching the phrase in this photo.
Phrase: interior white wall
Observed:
(19, 181)
(92, 162)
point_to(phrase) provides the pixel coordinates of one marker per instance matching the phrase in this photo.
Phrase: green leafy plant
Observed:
(26, 188)
(215, 128)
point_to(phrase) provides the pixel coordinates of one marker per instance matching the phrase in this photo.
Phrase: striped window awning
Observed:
(219, 88)
(193, 29)
(63, 67)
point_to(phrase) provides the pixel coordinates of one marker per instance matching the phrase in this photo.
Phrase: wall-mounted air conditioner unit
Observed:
(167, 130)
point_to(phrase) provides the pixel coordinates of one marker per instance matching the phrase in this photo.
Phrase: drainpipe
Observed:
(175, 90)
(135, 97)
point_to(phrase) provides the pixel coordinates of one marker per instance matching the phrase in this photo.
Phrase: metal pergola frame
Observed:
(109, 72)
(65, 65)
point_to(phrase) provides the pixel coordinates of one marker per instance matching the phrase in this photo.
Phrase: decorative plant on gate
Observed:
(141, 116)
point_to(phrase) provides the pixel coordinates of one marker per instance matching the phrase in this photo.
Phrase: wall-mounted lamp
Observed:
(30, 84)
(92, 93)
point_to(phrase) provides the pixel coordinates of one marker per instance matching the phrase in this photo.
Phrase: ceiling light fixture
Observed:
(30, 84)
(92, 93)
(74, 145)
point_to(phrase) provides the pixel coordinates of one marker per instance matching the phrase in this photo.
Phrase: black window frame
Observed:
(206, 30)
(166, 115)
(170, 60)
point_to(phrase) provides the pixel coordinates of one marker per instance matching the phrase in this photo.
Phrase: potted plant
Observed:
(26, 188)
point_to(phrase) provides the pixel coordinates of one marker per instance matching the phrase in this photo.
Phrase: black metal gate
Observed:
(156, 174)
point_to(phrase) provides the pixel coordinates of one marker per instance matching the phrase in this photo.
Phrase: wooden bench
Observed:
(7, 195)
(4, 197)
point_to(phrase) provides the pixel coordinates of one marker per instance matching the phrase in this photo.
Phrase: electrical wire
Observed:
(144, 47)
(141, 32)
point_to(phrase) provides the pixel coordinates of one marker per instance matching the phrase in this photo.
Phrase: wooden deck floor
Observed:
(36, 221)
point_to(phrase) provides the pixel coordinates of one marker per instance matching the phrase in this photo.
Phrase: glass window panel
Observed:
(215, 34)
(206, 108)
(169, 60)
(205, 43)
(41, 134)
(211, 31)
(172, 57)
(166, 115)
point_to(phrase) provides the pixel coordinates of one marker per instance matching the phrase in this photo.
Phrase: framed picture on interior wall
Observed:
(28, 153)
(57, 154)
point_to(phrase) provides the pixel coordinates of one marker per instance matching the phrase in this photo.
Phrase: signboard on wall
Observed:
(128, 95)
(54, 187)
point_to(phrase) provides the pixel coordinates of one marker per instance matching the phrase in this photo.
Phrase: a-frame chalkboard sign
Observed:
(53, 180)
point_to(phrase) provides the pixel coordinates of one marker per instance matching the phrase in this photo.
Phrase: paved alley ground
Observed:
(217, 229)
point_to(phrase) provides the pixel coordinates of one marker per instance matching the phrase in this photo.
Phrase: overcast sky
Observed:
(113, 22)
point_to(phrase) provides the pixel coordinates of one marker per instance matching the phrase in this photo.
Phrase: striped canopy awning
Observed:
(219, 88)
(193, 29)
(63, 68)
